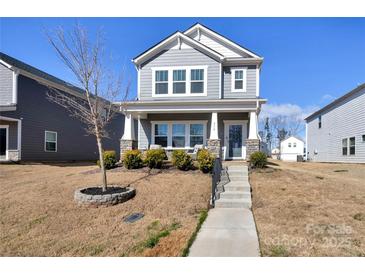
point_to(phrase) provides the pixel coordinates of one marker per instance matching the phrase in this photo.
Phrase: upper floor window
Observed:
(239, 80)
(289, 144)
(319, 121)
(161, 81)
(197, 81)
(179, 81)
(352, 146)
(50, 141)
(294, 144)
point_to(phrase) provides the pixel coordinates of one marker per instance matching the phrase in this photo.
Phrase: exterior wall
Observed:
(38, 114)
(6, 85)
(291, 153)
(250, 83)
(182, 57)
(145, 124)
(345, 120)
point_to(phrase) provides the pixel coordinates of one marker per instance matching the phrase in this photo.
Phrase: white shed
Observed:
(290, 148)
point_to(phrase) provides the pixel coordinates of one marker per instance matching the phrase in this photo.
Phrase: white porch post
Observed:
(253, 133)
(214, 126)
(128, 127)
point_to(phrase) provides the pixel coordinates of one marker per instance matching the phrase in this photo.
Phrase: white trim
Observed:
(187, 124)
(151, 52)
(257, 81)
(19, 136)
(138, 82)
(219, 37)
(220, 80)
(187, 81)
(7, 142)
(15, 87)
(227, 123)
(45, 141)
(244, 79)
(6, 64)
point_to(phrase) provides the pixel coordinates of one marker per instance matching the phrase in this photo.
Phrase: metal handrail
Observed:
(216, 177)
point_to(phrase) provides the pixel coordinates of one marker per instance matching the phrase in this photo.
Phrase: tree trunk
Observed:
(101, 159)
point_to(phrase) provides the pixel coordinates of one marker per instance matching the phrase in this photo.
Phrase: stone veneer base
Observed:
(214, 146)
(252, 145)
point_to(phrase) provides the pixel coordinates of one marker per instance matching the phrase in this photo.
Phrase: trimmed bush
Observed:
(205, 160)
(258, 159)
(110, 159)
(182, 160)
(132, 159)
(154, 158)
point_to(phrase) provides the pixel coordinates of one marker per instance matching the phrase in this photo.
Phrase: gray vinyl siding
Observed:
(183, 57)
(250, 83)
(344, 120)
(6, 86)
(13, 134)
(38, 115)
(145, 124)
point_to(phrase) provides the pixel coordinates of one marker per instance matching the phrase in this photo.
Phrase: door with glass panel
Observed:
(235, 140)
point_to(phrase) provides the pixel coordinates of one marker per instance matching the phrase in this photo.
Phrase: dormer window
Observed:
(179, 81)
(239, 80)
(161, 81)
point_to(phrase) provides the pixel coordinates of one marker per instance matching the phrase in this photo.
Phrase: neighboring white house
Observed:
(336, 133)
(290, 148)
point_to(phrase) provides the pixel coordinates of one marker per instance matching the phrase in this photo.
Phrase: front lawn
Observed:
(310, 209)
(39, 217)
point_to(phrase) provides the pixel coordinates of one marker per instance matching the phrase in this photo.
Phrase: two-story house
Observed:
(196, 87)
(32, 128)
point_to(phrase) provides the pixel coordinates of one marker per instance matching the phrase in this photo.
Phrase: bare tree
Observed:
(99, 86)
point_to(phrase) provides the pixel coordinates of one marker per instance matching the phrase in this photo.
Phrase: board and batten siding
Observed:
(250, 83)
(6, 86)
(344, 120)
(38, 114)
(175, 58)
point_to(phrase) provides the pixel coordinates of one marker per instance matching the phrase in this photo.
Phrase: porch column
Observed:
(214, 143)
(253, 142)
(128, 138)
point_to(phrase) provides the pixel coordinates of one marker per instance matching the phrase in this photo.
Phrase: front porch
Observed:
(229, 135)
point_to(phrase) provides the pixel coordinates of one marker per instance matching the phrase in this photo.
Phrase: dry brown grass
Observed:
(310, 209)
(39, 217)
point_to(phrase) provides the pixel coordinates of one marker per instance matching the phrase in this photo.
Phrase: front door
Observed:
(235, 140)
(3, 142)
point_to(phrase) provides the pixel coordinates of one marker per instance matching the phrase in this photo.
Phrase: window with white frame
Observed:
(50, 141)
(289, 144)
(196, 134)
(161, 81)
(197, 81)
(179, 81)
(294, 144)
(352, 145)
(363, 138)
(178, 135)
(161, 134)
(344, 147)
(238, 80)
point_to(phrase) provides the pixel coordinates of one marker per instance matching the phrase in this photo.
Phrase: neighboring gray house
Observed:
(196, 87)
(35, 129)
(336, 133)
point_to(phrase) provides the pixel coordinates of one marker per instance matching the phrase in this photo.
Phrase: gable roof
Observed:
(220, 37)
(139, 59)
(299, 139)
(337, 101)
(39, 75)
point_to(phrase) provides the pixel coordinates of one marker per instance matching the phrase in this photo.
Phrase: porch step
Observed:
(238, 178)
(233, 203)
(235, 194)
(233, 186)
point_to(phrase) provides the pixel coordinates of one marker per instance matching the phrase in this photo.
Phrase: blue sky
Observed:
(307, 61)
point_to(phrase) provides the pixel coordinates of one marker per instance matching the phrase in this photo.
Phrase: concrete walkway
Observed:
(229, 230)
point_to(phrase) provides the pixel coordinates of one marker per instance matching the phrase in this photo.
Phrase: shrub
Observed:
(205, 160)
(132, 159)
(182, 160)
(154, 158)
(258, 159)
(110, 159)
